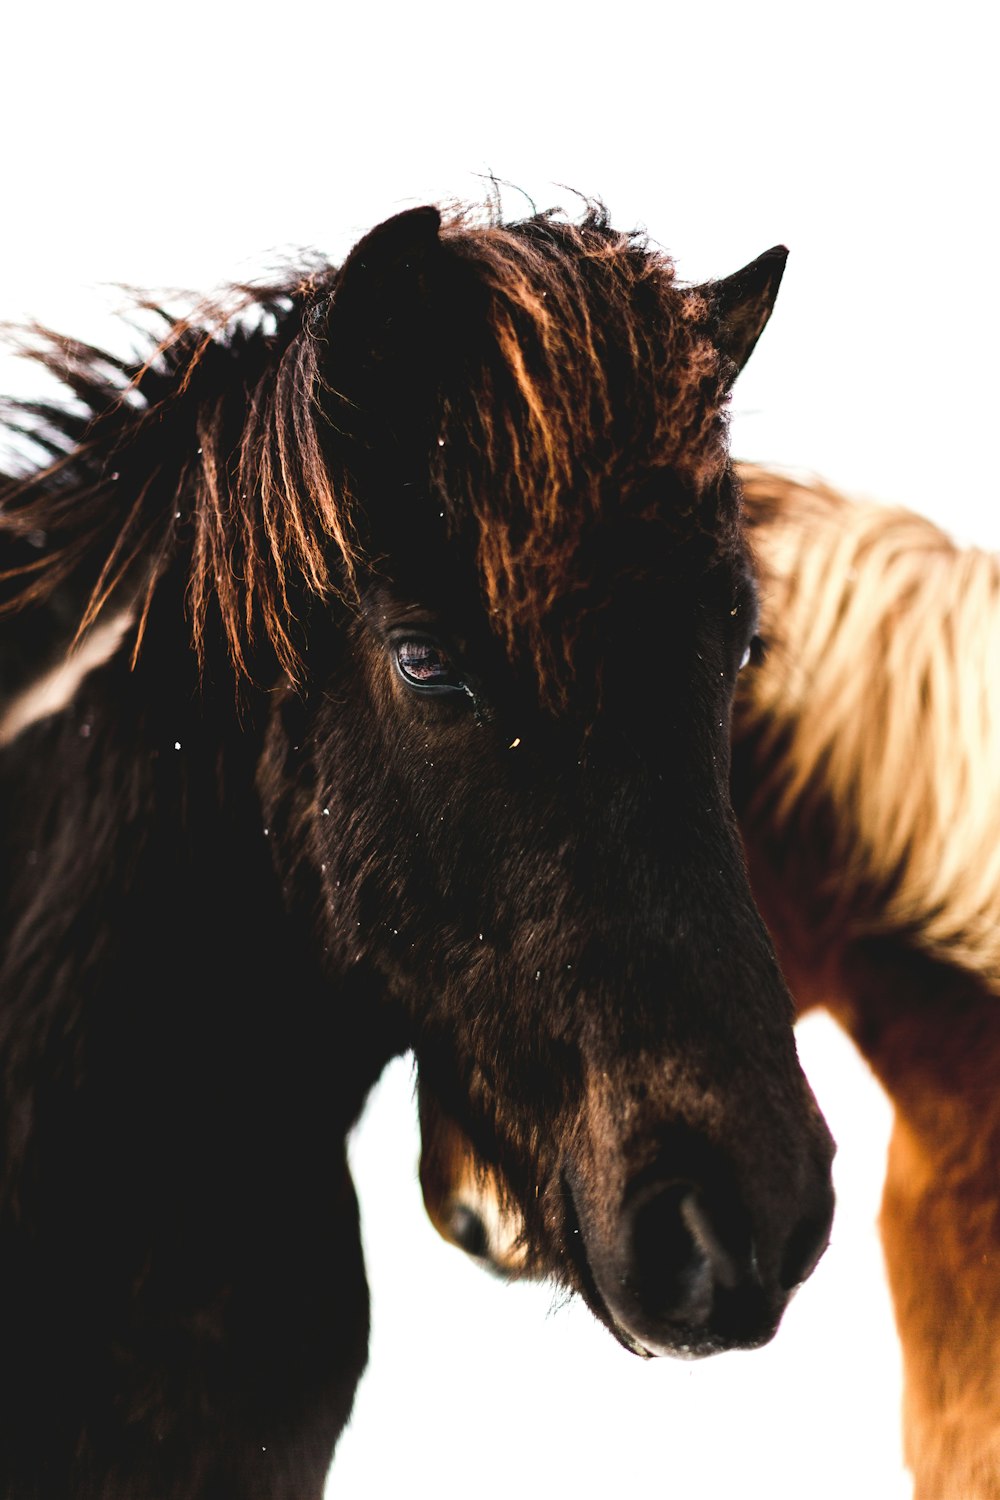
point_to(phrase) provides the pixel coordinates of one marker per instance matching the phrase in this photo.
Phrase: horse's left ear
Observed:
(743, 304)
(389, 263)
(378, 322)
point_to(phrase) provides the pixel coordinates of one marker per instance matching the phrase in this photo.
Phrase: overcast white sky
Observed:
(191, 144)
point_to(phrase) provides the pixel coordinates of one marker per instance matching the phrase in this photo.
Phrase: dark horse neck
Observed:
(194, 1212)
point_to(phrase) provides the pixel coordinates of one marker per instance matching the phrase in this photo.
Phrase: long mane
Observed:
(879, 697)
(159, 455)
(227, 448)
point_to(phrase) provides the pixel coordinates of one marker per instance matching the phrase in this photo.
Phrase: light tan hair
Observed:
(877, 707)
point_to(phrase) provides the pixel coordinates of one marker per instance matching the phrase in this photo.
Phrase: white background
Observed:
(189, 144)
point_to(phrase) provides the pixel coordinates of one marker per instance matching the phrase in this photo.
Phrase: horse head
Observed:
(501, 786)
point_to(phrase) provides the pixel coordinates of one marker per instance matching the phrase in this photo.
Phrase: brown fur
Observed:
(868, 780)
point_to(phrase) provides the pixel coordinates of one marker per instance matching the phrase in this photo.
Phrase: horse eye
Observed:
(425, 666)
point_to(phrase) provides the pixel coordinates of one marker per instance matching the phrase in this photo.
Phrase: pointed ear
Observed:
(743, 304)
(377, 321)
(395, 240)
(386, 268)
(390, 262)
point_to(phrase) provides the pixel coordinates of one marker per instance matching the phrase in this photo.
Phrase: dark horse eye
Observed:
(425, 666)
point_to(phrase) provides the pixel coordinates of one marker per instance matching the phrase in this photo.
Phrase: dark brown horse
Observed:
(426, 591)
(867, 779)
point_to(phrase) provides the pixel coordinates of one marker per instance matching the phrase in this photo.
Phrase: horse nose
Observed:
(694, 1276)
(807, 1242)
(680, 1252)
(475, 1220)
(466, 1229)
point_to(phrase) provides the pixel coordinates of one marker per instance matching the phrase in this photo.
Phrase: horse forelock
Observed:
(589, 408)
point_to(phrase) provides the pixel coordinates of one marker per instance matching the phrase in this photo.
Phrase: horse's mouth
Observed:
(577, 1251)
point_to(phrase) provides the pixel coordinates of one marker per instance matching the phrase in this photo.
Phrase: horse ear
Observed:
(743, 303)
(394, 239)
(394, 252)
(380, 298)
(377, 321)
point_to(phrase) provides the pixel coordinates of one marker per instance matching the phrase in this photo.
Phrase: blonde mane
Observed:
(877, 712)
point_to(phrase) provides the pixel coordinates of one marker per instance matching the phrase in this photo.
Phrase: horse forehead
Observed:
(633, 587)
(579, 486)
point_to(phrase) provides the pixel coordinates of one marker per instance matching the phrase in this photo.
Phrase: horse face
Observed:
(512, 786)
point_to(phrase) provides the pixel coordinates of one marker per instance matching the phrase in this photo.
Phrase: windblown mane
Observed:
(231, 450)
(879, 696)
(160, 455)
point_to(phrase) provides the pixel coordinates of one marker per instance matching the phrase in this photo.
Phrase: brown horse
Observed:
(404, 567)
(866, 773)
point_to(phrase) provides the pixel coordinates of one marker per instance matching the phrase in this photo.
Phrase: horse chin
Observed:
(699, 1345)
(682, 1343)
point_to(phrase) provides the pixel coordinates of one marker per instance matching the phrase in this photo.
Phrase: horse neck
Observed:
(123, 799)
(140, 886)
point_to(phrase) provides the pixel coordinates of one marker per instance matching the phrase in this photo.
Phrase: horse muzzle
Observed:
(685, 1268)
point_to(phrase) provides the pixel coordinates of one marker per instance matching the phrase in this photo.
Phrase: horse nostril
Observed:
(806, 1244)
(467, 1230)
(678, 1255)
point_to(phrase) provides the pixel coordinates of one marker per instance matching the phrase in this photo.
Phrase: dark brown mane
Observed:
(237, 443)
(579, 315)
(196, 434)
